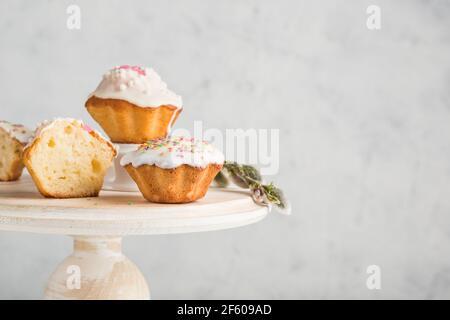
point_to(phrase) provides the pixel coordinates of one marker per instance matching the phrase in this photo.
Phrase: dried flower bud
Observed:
(259, 196)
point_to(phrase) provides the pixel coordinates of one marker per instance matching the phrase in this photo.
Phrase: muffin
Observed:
(67, 159)
(13, 138)
(133, 105)
(173, 170)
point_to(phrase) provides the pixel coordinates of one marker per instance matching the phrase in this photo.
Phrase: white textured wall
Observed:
(365, 127)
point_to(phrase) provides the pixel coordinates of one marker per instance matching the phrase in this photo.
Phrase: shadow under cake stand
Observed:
(97, 226)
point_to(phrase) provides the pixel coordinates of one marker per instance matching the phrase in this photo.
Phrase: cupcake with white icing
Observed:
(13, 138)
(173, 170)
(133, 105)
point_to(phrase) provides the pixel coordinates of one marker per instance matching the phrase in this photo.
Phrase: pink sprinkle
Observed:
(137, 69)
(87, 128)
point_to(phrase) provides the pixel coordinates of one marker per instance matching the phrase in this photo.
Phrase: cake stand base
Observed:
(97, 270)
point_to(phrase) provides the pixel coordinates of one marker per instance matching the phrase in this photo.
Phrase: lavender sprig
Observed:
(248, 177)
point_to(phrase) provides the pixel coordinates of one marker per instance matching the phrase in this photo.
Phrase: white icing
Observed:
(142, 87)
(172, 152)
(48, 124)
(172, 119)
(17, 131)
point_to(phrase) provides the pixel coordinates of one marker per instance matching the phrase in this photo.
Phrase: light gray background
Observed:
(364, 118)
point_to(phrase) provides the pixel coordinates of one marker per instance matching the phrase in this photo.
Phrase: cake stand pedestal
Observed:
(97, 268)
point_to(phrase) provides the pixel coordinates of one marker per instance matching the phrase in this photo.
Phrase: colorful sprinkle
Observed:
(87, 128)
(176, 145)
(137, 69)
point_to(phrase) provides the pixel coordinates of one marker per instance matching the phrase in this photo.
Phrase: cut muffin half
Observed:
(67, 159)
(13, 138)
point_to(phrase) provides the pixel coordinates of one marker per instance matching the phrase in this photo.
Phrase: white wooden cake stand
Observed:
(98, 225)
